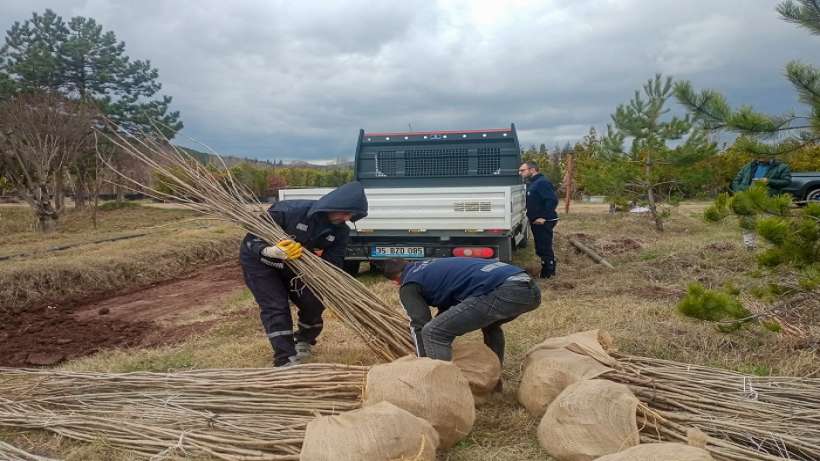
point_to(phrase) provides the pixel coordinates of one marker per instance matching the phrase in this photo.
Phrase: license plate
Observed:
(397, 252)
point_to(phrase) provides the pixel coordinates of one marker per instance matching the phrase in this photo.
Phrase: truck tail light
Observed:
(495, 231)
(474, 252)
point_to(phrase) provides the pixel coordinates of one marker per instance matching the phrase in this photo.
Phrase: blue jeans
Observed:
(487, 312)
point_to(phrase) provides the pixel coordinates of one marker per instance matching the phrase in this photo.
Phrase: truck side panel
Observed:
(441, 208)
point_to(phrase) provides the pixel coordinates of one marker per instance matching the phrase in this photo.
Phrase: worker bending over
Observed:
(470, 294)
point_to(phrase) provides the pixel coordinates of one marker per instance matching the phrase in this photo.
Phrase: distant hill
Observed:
(231, 160)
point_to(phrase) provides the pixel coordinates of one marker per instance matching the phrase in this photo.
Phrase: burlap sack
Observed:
(479, 364)
(591, 418)
(660, 452)
(593, 343)
(547, 372)
(431, 389)
(381, 432)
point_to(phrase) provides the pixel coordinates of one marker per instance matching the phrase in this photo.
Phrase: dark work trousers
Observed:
(487, 312)
(542, 235)
(272, 288)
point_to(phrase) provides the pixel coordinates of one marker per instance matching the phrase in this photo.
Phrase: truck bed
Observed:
(455, 209)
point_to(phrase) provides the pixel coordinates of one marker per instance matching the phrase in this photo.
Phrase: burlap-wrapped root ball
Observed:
(589, 419)
(660, 452)
(593, 343)
(479, 364)
(381, 432)
(547, 372)
(431, 389)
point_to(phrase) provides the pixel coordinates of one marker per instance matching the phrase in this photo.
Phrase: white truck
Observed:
(436, 194)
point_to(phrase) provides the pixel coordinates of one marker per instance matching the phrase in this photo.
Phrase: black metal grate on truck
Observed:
(489, 161)
(436, 162)
(438, 158)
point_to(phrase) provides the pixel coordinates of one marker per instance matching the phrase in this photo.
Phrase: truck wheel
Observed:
(352, 267)
(813, 195)
(505, 247)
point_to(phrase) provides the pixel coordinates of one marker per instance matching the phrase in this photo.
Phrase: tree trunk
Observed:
(47, 223)
(653, 209)
(568, 183)
(59, 191)
(46, 214)
(94, 209)
(650, 194)
(120, 193)
(80, 195)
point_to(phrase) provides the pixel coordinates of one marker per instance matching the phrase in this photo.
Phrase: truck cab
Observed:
(436, 194)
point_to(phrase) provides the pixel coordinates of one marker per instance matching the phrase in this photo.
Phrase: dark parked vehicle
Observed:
(805, 186)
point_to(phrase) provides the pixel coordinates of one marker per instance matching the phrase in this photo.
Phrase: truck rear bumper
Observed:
(374, 249)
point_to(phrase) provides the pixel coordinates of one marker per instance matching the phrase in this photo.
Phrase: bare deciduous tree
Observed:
(40, 133)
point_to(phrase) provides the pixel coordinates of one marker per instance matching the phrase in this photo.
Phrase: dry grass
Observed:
(173, 245)
(636, 303)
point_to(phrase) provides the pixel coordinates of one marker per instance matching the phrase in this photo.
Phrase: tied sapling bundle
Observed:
(215, 193)
(228, 414)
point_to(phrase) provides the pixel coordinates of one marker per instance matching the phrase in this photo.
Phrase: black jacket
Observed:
(306, 222)
(541, 199)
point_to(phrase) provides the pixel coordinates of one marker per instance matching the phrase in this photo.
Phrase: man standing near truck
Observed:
(317, 225)
(766, 170)
(541, 205)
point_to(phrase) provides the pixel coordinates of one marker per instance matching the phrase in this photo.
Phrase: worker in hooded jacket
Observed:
(316, 225)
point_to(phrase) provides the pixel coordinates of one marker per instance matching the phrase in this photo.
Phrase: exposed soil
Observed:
(160, 314)
(606, 247)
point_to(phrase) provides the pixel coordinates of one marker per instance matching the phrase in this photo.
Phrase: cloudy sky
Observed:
(296, 80)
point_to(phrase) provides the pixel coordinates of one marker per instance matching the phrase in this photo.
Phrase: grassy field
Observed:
(130, 247)
(635, 303)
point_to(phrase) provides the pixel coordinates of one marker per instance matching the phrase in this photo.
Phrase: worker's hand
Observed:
(285, 250)
(539, 221)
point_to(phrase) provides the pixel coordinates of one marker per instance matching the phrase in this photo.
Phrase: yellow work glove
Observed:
(285, 250)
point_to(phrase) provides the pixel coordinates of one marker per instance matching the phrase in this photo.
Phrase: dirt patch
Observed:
(608, 247)
(168, 303)
(161, 314)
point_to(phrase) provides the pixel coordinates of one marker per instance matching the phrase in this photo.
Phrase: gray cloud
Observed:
(296, 80)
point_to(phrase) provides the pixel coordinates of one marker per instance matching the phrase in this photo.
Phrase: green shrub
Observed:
(772, 325)
(111, 206)
(711, 305)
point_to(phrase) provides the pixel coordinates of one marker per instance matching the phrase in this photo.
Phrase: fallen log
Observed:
(589, 252)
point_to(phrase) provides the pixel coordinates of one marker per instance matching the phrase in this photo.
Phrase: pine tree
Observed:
(793, 235)
(792, 256)
(712, 110)
(648, 171)
(80, 61)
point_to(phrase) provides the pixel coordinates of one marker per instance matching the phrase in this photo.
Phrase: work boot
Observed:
(293, 360)
(547, 269)
(303, 350)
